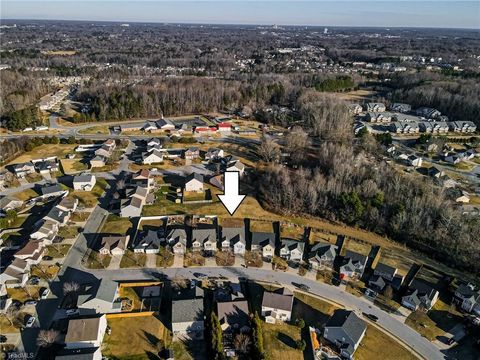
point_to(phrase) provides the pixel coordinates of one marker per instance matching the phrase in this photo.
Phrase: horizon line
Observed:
(179, 22)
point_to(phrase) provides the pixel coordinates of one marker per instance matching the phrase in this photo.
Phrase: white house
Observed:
(153, 157)
(263, 242)
(291, 249)
(234, 238)
(277, 306)
(84, 182)
(194, 183)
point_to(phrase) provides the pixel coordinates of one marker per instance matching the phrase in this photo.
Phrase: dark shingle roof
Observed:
(187, 310)
(351, 324)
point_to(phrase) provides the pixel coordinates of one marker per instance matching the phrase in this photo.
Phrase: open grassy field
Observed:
(46, 150)
(358, 95)
(279, 340)
(376, 345)
(24, 294)
(98, 129)
(135, 337)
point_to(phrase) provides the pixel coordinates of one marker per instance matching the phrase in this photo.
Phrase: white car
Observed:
(30, 321)
(45, 293)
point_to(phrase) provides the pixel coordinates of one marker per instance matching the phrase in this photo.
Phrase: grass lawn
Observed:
(135, 337)
(261, 226)
(224, 258)
(46, 150)
(26, 194)
(22, 295)
(253, 258)
(192, 258)
(73, 166)
(68, 232)
(99, 129)
(90, 198)
(93, 260)
(164, 258)
(188, 350)
(316, 303)
(6, 326)
(279, 340)
(131, 259)
(292, 231)
(421, 323)
(378, 345)
(444, 315)
(58, 251)
(116, 225)
(152, 223)
(46, 272)
(193, 196)
(129, 292)
(355, 288)
(79, 216)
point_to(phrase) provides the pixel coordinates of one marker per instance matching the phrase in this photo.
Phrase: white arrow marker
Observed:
(231, 199)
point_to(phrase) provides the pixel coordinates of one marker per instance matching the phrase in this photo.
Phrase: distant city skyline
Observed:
(382, 13)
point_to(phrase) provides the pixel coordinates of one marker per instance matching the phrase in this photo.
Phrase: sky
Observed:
(381, 13)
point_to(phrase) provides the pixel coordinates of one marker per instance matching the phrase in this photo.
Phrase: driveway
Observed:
(151, 261)
(115, 262)
(178, 261)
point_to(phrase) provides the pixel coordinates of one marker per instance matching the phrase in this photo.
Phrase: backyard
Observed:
(44, 151)
(116, 225)
(280, 341)
(144, 333)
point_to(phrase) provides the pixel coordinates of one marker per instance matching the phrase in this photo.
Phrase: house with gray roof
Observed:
(291, 250)
(353, 265)
(84, 182)
(345, 330)
(234, 239)
(204, 239)
(177, 239)
(23, 169)
(9, 203)
(114, 245)
(375, 107)
(233, 316)
(462, 126)
(165, 124)
(420, 295)
(263, 242)
(150, 242)
(277, 305)
(401, 107)
(188, 319)
(52, 190)
(194, 182)
(468, 298)
(58, 215)
(98, 297)
(322, 255)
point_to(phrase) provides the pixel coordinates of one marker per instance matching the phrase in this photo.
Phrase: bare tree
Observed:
(242, 343)
(70, 287)
(47, 338)
(268, 150)
(179, 282)
(11, 314)
(296, 143)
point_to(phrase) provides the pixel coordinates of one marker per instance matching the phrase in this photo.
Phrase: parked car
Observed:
(301, 286)
(200, 275)
(30, 303)
(30, 321)
(451, 341)
(44, 293)
(372, 317)
(34, 280)
(72, 312)
(371, 293)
